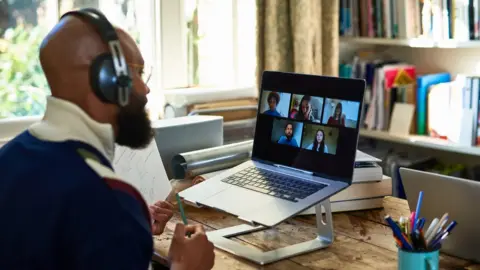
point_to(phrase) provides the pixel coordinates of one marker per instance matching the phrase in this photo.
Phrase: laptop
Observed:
(303, 152)
(446, 194)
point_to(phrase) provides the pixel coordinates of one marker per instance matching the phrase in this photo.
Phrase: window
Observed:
(189, 43)
(23, 25)
(211, 45)
(22, 84)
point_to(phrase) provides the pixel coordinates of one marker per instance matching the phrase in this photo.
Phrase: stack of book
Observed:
(369, 187)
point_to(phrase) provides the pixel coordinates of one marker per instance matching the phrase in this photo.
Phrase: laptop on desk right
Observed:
(447, 194)
(304, 150)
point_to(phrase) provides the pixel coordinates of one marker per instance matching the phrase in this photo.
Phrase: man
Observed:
(288, 137)
(61, 204)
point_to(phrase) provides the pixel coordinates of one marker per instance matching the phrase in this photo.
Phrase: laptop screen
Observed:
(309, 123)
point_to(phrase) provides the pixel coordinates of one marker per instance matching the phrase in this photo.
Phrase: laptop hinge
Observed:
(292, 169)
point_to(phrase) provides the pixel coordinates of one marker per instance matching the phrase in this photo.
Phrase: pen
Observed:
(440, 229)
(402, 225)
(430, 228)
(399, 243)
(422, 239)
(420, 223)
(407, 225)
(450, 227)
(412, 222)
(417, 211)
(182, 212)
(438, 241)
(397, 233)
(415, 241)
(435, 229)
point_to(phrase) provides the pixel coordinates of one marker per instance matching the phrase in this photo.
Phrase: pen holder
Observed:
(421, 260)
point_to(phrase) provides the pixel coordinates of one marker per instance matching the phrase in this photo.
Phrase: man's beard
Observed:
(134, 127)
(289, 137)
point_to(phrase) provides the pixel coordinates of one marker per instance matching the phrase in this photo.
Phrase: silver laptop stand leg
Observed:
(220, 238)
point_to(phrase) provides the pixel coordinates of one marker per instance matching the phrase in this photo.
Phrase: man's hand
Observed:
(161, 213)
(195, 252)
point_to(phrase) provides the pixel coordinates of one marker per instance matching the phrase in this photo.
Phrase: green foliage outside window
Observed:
(23, 86)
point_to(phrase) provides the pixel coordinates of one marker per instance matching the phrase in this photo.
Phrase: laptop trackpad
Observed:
(239, 201)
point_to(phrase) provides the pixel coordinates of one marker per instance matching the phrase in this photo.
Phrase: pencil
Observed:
(182, 212)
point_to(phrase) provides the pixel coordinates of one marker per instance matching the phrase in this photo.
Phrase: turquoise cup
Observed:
(417, 260)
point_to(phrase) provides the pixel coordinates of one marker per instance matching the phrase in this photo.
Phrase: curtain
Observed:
(297, 36)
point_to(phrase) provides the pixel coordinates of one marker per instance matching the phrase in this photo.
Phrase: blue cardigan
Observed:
(58, 213)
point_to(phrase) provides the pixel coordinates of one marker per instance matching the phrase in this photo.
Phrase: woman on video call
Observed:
(273, 99)
(305, 112)
(337, 118)
(318, 144)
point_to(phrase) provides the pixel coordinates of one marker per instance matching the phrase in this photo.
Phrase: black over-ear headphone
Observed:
(109, 74)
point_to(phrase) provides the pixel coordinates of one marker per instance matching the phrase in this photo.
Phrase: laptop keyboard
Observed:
(273, 184)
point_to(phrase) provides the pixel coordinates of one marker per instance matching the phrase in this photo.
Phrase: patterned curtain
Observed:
(297, 36)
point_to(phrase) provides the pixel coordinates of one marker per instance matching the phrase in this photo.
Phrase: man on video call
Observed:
(62, 205)
(288, 137)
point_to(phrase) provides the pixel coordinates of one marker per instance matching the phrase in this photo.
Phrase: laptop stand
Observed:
(220, 238)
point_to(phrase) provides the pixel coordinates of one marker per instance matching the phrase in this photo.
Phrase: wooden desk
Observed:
(362, 240)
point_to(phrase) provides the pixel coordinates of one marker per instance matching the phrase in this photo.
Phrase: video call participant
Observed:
(318, 144)
(294, 109)
(63, 207)
(338, 118)
(273, 99)
(288, 137)
(305, 112)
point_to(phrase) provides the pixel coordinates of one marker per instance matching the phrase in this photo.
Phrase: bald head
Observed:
(67, 51)
(66, 54)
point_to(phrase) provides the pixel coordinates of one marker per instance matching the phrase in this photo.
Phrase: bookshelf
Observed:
(413, 42)
(421, 141)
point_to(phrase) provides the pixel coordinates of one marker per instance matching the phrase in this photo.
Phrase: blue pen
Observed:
(450, 226)
(438, 241)
(397, 232)
(417, 211)
(421, 223)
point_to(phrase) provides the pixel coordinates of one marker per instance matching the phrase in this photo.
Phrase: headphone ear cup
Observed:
(103, 78)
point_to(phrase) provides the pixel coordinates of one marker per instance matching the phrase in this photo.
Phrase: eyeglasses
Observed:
(144, 70)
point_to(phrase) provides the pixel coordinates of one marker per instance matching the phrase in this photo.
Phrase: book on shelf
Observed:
(387, 82)
(446, 107)
(405, 19)
(424, 82)
(453, 110)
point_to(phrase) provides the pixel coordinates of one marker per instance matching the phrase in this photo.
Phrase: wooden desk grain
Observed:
(362, 240)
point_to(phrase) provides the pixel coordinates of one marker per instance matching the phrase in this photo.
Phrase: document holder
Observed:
(220, 238)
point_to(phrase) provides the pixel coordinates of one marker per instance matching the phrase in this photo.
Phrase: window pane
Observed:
(23, 86)
(220, 42)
